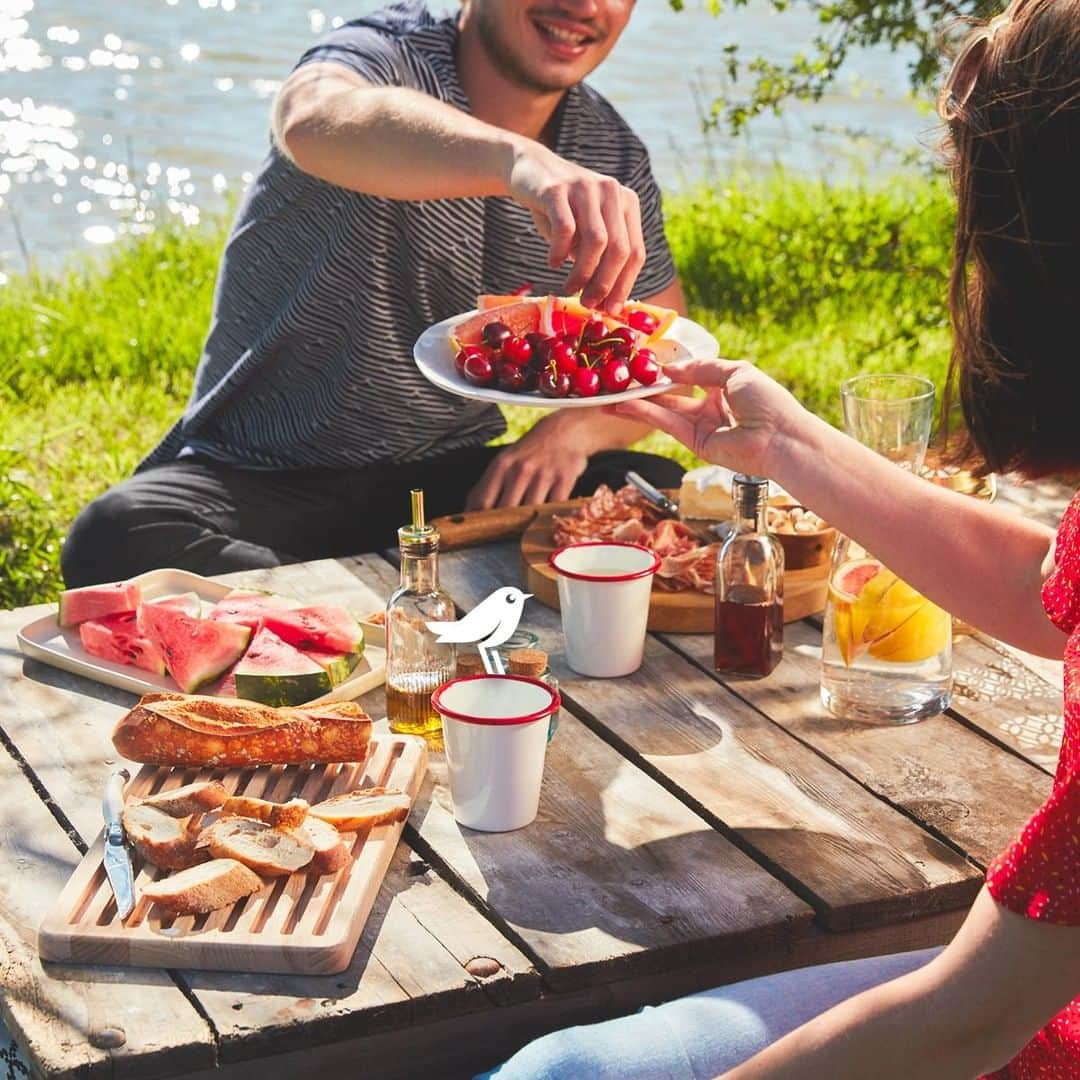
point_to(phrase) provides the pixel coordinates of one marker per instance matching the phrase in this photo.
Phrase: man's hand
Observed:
(542, 466)
(584, 216)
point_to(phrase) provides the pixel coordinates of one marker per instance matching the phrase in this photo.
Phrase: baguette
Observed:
(212, 885)
(331, 851)
(194, 798)
(272, 852)
(363, 809)
(196, 730)
(288, 815)
(160, 839)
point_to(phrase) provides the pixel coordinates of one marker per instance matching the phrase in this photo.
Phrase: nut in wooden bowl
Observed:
(806, 539)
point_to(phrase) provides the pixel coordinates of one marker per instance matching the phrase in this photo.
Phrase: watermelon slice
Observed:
(195, 650)
(338, 665)
(523, 317)
(275, 673)
(117, 638)
(247, 607)
(189, 603)
(97, 601)
(324, 626)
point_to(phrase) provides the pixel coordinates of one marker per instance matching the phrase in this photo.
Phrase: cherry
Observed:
(586, 382)
(563, 356)
(643, 321)
(554, 384)
(621, 339)
(614, 376)
(532, 378)
(479, 369)
(644, 368)
(495, 333)
(584, 360)
(541, 348)
(602, 354)
(517, 350)
(510, 378)
(594, 330)
(463, 354)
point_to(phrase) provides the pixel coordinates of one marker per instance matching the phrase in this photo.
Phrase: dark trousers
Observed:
(197, 515)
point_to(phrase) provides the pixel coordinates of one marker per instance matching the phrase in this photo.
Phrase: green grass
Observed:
(810, 281)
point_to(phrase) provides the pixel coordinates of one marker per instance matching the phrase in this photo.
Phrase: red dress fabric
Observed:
(1038, 875)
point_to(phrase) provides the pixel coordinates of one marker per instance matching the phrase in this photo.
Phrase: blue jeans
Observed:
(703, 1035)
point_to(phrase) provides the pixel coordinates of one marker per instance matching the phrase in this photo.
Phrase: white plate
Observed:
(46, 640)
(435, 359)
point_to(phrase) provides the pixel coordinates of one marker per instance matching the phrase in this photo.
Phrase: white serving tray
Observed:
(45, 640)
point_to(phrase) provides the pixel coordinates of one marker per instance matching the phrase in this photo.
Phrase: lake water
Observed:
(114, 116)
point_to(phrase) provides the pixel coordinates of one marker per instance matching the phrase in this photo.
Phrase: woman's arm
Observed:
(965, 1014)
(977, 561)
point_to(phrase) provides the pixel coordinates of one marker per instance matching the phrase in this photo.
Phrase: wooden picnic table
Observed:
(692, 831)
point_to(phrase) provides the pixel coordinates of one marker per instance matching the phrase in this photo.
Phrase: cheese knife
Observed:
(707, 534)
(117, 860)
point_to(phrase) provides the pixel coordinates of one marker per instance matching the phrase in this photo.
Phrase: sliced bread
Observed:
(254, 843)
(363, 809)
(331, 851)
(194, 798)
(165, 841)
(288, 815)
(212, 885)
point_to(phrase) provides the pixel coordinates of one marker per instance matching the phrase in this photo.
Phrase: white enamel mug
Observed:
(604, 593)
(495, 728)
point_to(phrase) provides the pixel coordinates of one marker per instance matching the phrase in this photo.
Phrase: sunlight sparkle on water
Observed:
(99, 234)
(190, 52)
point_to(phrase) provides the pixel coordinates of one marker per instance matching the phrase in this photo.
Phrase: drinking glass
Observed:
(886, 649)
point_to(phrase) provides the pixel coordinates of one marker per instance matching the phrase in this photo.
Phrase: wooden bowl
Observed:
(804, 549)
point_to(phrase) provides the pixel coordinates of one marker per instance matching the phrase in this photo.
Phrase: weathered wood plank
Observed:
(1007, 696)
(413, 954)
(652, 883)
(69, 1020)
(855, 859)
(939, 772)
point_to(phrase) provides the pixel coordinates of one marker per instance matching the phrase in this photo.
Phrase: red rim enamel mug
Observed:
(495, 728)
(604, 593)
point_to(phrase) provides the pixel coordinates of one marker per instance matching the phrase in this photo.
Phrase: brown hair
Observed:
(1014, 149)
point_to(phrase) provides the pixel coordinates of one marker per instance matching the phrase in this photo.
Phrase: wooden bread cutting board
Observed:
(303, 923)
(688, 612)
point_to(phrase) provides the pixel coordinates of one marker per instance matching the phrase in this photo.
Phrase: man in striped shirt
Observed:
(417, 161)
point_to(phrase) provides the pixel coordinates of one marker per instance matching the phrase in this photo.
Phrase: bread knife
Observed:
(117, 860)
(707, 534)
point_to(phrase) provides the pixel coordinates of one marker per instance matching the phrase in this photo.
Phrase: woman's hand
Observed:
(741, 421)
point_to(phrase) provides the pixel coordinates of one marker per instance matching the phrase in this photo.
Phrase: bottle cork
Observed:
(531, 662)
(469, 663)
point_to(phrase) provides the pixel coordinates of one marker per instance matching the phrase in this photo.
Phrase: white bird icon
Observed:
(489, 624)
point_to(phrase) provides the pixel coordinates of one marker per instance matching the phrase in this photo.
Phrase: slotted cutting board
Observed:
(302, 923)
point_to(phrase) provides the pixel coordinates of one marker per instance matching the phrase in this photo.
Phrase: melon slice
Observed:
(195, 650)
(97, 601)
(338, 665)
(273, 672)
(523, 317)
(117, 638)
(247, 607)
(322, 626)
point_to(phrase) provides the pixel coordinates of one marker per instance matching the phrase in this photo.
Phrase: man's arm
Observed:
(399, 143)
(965, 1014)
(545, 463)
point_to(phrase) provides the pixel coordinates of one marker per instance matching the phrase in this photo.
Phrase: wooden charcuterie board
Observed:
(304, 923)
(687, 612)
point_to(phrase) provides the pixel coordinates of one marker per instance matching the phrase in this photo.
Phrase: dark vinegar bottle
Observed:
(749, 628)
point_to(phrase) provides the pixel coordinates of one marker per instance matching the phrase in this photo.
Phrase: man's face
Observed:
(548, 45)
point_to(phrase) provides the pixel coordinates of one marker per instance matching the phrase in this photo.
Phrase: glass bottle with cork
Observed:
(749, 626)
(416, 664)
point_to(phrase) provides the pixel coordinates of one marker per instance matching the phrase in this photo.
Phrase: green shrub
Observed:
(810, 280)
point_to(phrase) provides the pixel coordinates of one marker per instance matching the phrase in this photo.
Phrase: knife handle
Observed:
(113, 804)
(483, 526)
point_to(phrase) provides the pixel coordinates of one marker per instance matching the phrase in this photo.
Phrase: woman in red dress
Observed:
(1001, 1000)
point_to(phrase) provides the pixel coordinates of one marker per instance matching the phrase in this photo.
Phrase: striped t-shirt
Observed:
(322, 292)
